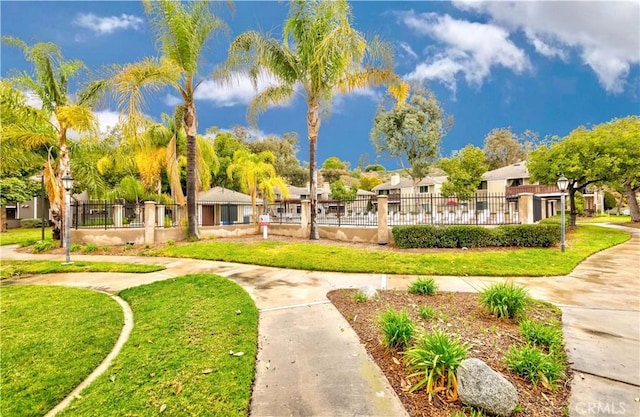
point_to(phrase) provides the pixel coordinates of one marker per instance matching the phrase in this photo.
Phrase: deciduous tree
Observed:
(464, 172)
(502, 148)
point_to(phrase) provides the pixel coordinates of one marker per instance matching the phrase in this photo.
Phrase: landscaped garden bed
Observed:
(462, 316)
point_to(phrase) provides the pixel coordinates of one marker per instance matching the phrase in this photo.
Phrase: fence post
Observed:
(383, 226)
(525, 208)
(117, 215)
(160, 215)
(149, 222)
(305, 214)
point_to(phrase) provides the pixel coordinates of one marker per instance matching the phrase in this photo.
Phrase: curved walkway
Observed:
(317, 367)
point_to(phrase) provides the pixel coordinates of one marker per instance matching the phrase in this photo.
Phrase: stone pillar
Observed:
(149, 222)
(383, 219)
(525, 208)
(305, 214)
(160, 215)
(118, 212)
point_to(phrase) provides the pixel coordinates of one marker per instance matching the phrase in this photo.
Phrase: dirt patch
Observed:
(459, 314)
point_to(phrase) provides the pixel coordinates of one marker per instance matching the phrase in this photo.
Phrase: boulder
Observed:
(482, 387)
(370, 291)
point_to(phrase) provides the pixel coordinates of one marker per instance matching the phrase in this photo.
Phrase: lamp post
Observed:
(67, 183)
(563, 184)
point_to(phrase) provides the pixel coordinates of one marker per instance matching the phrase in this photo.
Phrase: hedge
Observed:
(32, 223)
(426, 236)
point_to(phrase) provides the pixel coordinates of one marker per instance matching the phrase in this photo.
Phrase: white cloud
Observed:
(172, 101)
(103, 25)
(605, 34)
(469, 48)
(408, 49)
(107, 120)
(239, 92)
(33, 100)
(340, 99)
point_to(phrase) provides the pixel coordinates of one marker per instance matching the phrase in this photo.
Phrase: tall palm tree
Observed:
(49, 81)
(182, 31)
(257, 176)
(320, 52)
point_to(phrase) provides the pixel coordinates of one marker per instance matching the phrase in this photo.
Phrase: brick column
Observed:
(383, 219)
(149, 222)
(525, 208)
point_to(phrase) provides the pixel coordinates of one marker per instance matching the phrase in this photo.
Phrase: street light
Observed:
(563, 184)
(67, 183)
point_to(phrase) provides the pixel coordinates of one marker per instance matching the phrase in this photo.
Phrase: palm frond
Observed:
(278, 94)
(77, 117)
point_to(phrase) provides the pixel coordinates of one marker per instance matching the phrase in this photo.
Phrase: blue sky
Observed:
(544, 66)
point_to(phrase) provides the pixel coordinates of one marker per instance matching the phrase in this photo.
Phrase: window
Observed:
(483, 185)
(383, 192)
(424, 188)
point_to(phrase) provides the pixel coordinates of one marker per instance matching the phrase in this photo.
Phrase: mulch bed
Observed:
(459, 314)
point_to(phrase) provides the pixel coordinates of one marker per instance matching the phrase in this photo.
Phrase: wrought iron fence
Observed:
(481, 208)
(284, 212)
(106, 215)
(362, 211)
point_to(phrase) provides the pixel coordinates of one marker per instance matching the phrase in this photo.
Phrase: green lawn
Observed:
(13, 268)
(178, 360)
(605, 219)
(23, 237)
(52, 338)
(582, 242)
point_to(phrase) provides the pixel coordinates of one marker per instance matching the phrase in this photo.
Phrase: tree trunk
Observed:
(191, 126)
(630, 192)
(313, 126)
(3, 218)
(572, 203)
(58, 210)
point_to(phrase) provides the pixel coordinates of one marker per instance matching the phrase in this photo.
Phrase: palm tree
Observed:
(257, 176)
(182, 31)
(323, 54)
(50, 83)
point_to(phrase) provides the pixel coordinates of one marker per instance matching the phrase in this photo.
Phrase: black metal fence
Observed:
(481, 208)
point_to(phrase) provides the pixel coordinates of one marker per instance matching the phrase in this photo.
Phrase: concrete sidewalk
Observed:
(311, 363)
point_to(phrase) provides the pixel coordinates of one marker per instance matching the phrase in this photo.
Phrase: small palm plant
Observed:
(504, 299)
(423, 286)
(397, 328)
(435, 357)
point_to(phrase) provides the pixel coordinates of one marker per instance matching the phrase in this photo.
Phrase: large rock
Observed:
(482, 387)
(369, 291)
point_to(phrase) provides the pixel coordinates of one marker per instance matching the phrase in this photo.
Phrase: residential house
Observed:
(221, 206)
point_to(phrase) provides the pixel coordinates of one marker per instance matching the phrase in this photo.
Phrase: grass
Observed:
(177, 360)
(23, 237)
(582, 242)
(13, 268)
(604, 219)
(52, 338)
(504, 299)
(397, 328)
(423, 286)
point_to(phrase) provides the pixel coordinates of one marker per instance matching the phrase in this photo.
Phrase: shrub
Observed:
(75, 247)
(542, 334)
(435, 358)
(423, 286)
(535, 365)
(397, 328)
(43, 246)
(504, 299)
(90, 247)
(359, 297)
(32, 223)
(426, 313)
(529, 235)
(171, 242)
(427, 236)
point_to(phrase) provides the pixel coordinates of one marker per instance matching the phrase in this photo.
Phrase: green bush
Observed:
(423, 286)
(530, 362)
(359, 297)
(435, 357)
(426, 312)
(75, 247)
(397, 328)
(90, 247)
(427, 236)
(529, 235)
(32, 223)
(542, 334)
(43, 246)
(504, 299)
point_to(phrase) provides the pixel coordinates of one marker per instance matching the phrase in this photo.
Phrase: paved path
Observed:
(310, 362)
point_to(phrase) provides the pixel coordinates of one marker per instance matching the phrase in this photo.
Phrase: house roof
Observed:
(517, 170)
(364, 192)
(223, 195)
(404, 183)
